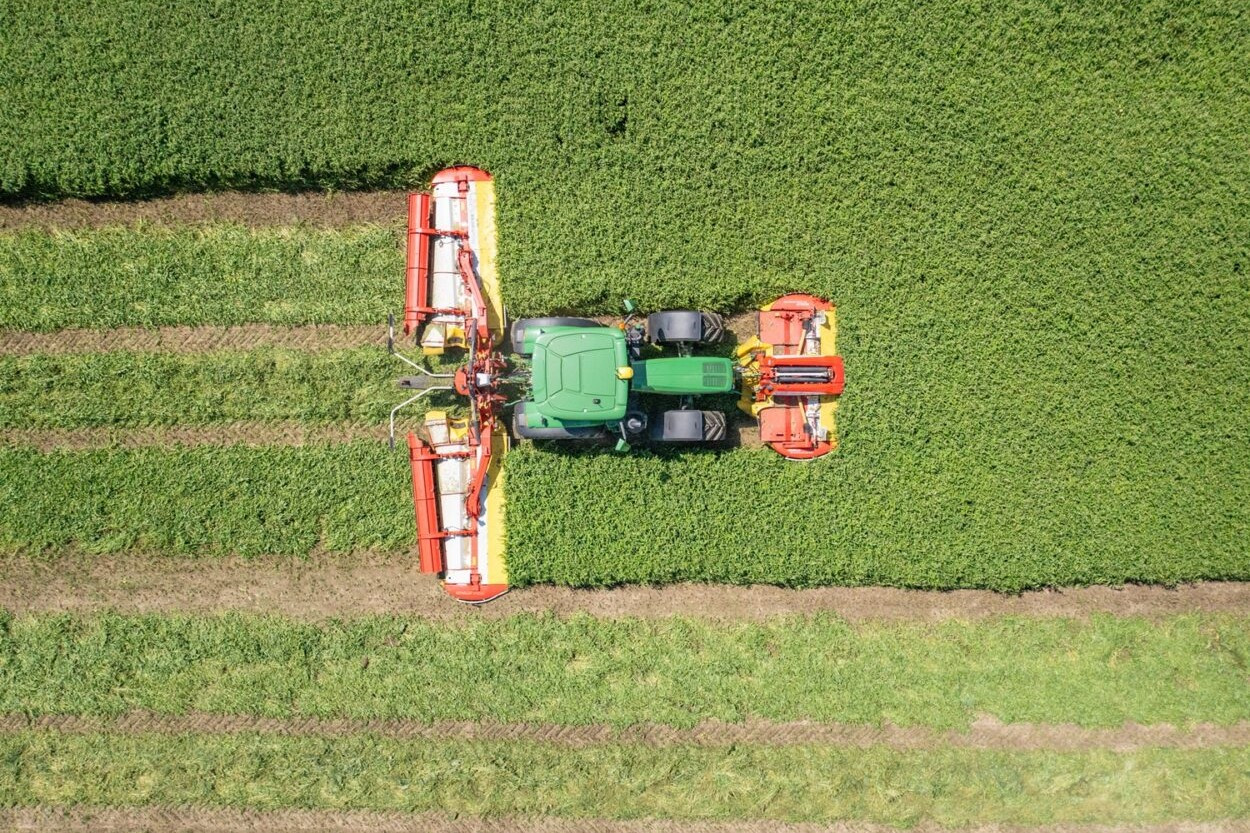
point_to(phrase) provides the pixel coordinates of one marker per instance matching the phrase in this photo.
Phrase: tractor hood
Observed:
(575, 376)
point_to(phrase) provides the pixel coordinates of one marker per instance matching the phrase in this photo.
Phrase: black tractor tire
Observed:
(689, 427)
(517, 333)
(523, 432)
(685, 326)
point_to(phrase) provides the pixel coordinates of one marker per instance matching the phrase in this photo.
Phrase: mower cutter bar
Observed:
(451, 301)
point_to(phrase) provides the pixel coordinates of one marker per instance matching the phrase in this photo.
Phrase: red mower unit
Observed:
(452, 301)
(792, 376)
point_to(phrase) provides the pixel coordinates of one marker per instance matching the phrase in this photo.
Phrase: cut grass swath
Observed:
(219, 274)
(949, 787)
(206, 500)
(1104, 672)
(146, 389)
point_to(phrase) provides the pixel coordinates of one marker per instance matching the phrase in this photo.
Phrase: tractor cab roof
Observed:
(575, 376)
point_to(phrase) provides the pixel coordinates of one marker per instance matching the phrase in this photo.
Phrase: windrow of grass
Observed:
(123, 389)
(949, 787)
(206, 500)
(539, 669)
(217, 274)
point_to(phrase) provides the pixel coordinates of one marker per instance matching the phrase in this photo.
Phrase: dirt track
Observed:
(230, 820)
(986, 733)
(313, 338)
(238, 433)
(328, 210)
(326, 586)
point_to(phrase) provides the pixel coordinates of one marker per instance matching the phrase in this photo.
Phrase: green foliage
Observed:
(139, 389)
(900, 505)
(219, 274)
(947, 787)
(1034, 218)
(529, 669)
(206, 500)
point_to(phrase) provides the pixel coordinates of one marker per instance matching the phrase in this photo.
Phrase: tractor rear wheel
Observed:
(521, 325)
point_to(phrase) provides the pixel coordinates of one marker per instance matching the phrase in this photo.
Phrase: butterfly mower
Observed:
(572, 379)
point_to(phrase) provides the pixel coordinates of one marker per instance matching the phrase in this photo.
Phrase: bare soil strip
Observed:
(230, 820)
(326, 210)
(987, 733)
(238, 433)
(311, 338)
(324, 586)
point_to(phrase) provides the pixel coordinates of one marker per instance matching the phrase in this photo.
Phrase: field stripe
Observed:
(986, 733)
(309, 338)
(325, 586)
(238, 433)
(326, 210)
(191, 819)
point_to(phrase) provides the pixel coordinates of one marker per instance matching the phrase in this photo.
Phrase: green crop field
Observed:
(1034, 219)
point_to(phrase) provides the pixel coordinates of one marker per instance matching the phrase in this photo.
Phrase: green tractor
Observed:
(587, 379)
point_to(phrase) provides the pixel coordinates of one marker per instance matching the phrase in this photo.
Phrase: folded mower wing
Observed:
(452, 301)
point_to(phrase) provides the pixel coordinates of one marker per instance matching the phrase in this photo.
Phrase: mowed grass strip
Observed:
(950, 787)
(123, 389)
(1104, 672)
(219, 274)
(206, 500)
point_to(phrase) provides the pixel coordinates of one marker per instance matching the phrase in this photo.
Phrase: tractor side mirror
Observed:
(629, 306)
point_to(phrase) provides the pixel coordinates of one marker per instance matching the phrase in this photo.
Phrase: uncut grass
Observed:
(218, 274)
(538, 669)
(206, 500)
(950, 787)
(125, 389)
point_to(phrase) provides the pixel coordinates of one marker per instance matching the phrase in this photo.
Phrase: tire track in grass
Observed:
(327, 210)
(310, 338)
(193, 819)
(238, 433)
(323, 586)
(986, 733)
